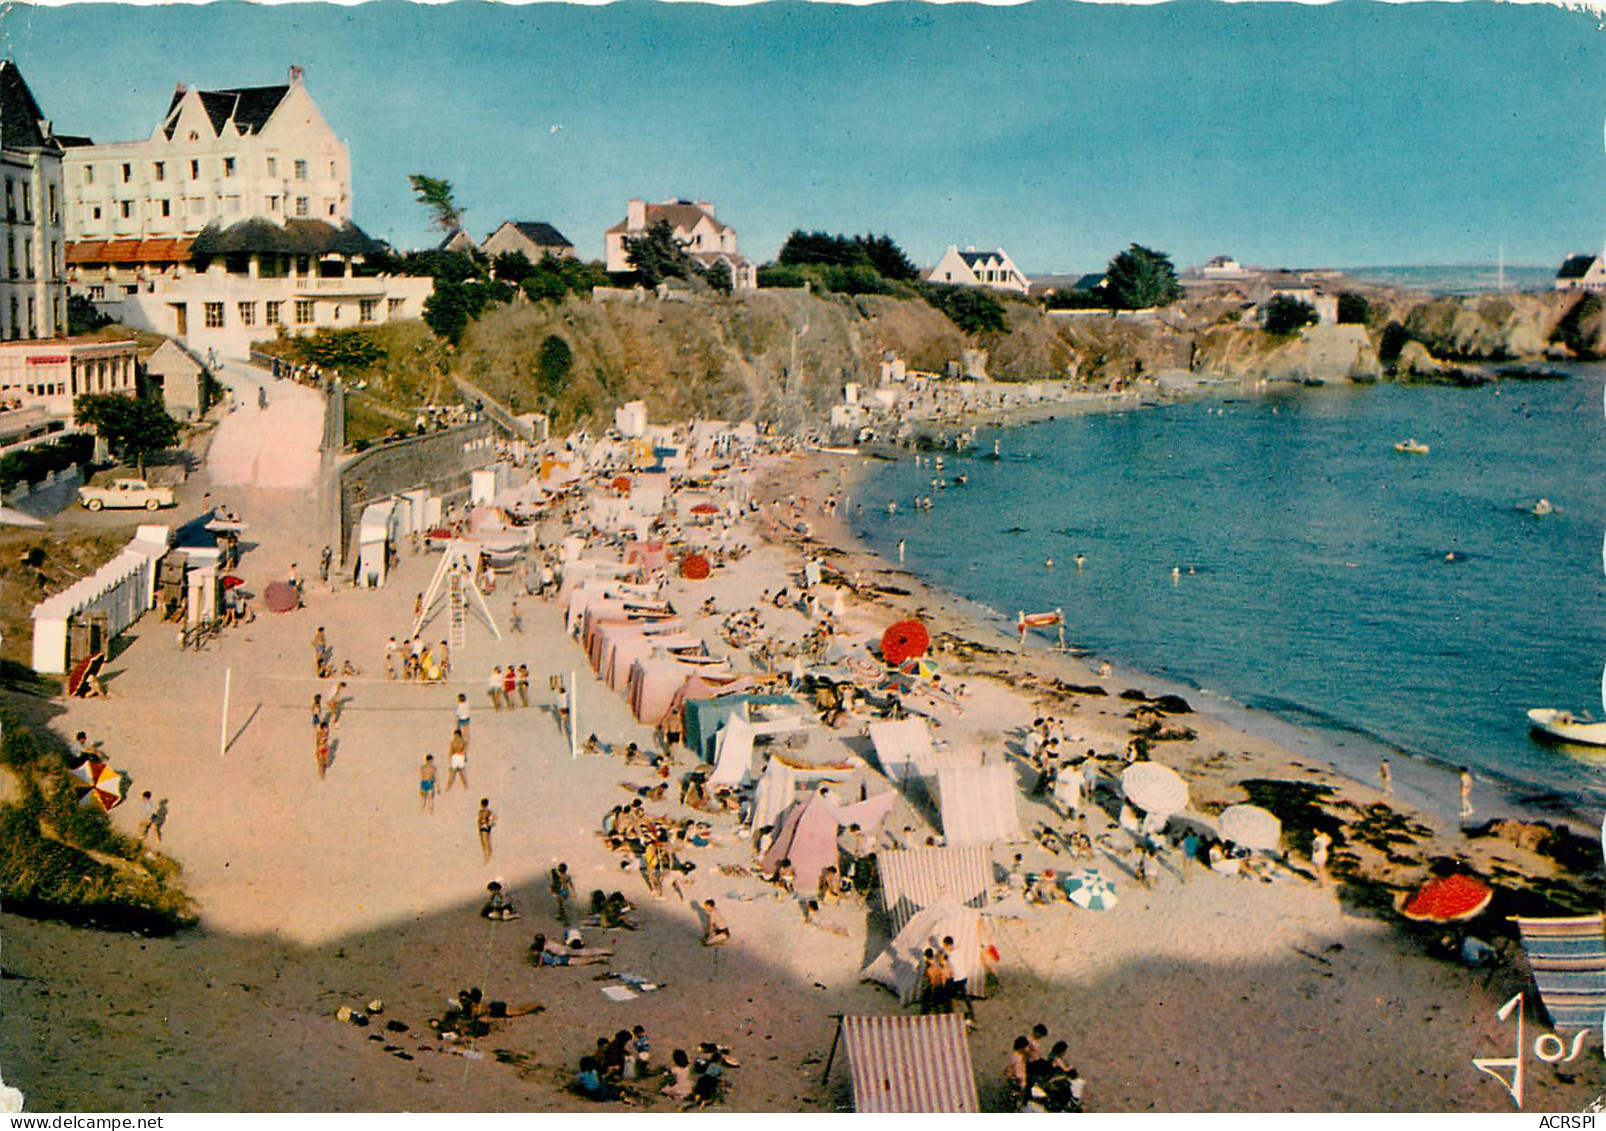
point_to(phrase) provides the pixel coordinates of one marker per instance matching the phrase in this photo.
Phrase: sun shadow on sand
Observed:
(208, 1021)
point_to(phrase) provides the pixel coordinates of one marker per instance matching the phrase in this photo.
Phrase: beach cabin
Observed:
(381, 528)
(85, 617)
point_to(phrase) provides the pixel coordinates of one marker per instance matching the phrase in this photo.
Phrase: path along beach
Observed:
(1200, 992)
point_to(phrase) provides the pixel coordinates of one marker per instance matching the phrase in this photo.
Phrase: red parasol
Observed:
(78, 678)
(705, 508)
(231, 581)
(694, 567)
(1447, 899)
(98, 784)
(621, 484)
(440, 534)
(905, 640)
(281, 596)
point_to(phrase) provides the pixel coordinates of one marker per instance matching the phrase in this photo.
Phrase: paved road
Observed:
(275, 447)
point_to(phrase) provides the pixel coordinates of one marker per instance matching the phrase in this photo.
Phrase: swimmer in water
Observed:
(1048, 563)
(892, 509)
(1079, 560)
(1176, 574)
(1450, 557)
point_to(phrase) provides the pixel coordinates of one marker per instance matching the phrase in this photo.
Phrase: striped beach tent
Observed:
(978, 804)
(910, 1064)
(914, 879)
(1568, 960)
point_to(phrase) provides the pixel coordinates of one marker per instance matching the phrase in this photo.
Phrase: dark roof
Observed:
(73, 141)
(540, 233)
(1090, 282)
(294, 237)
(249, 106)
(971, 258)
(455, 236)
(1576, 267)
(22, 123)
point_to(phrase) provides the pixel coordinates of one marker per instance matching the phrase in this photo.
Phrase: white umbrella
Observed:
(1154, 788)
(1252, 827)
(10, 516)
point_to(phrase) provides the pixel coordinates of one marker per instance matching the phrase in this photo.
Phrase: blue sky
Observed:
(1346, 134)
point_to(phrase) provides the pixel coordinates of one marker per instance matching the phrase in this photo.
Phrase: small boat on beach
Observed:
(1564, 727)
(1412, 447)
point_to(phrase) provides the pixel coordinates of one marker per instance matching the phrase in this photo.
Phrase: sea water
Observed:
(1319, 574)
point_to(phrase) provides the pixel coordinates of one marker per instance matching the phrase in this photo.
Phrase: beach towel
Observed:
(1568, 960)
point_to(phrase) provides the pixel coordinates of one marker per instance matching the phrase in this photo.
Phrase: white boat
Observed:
(1412, 447)
(1561, 725)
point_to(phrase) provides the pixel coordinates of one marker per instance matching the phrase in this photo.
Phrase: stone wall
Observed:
(439, 462)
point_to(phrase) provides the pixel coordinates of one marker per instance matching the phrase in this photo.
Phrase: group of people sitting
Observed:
(1040, 1083)
(626, 1057)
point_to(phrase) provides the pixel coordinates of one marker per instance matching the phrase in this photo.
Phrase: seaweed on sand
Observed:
(1299, 806)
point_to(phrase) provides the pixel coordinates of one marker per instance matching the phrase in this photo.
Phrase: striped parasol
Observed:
(1252, 827)
(1155, 788)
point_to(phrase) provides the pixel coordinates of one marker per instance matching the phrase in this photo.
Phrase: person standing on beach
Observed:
(426, 784)
(524, 685)
(337, 703)
(1467, 811)
(485, 821)
(493, 686)
(462, 716)
(510, 684)
(515, 622)
(320, 648)
(562, 887)
(1386, 773)
(457, 761)
(321, 749)
(147, 816)
(1319, 846)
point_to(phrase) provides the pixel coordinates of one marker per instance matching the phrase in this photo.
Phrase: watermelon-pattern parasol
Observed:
(903, 641)
(695, 567)
(1447, 899)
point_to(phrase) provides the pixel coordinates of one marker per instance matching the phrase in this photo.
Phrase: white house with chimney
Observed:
(972, 268)
(706, 238)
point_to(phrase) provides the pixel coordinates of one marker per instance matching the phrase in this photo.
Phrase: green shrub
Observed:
(1286, 315)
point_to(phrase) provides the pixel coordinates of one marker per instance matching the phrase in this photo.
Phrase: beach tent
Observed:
(978, 804)
(733, 752)
(1568, 960)
(917, 878)
(900, 745)
(705, 713)
(807, 837)
(777, 787)
(655, 681)
(899, 966)
(910, 1064)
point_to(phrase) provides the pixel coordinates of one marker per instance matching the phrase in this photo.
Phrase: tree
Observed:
(658, 254)
(888, 258)
(132, 426)
(1285, 314)
(555, 277)
(436, 195)
(512, 267)
(719, 277)
(1353, 309)
(554, 364)
(82, 317)
(972, 309)
(1140, 277)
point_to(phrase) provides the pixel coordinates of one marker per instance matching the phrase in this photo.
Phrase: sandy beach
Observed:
(1203, 992)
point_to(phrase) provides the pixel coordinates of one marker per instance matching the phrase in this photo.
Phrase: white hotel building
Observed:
(232, 220)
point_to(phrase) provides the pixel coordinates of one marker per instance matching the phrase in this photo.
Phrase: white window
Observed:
(301, 207)
(248, 314)
(303, 311)
(273, 318)
(214, 315)
(301, 169)
(366, 309)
